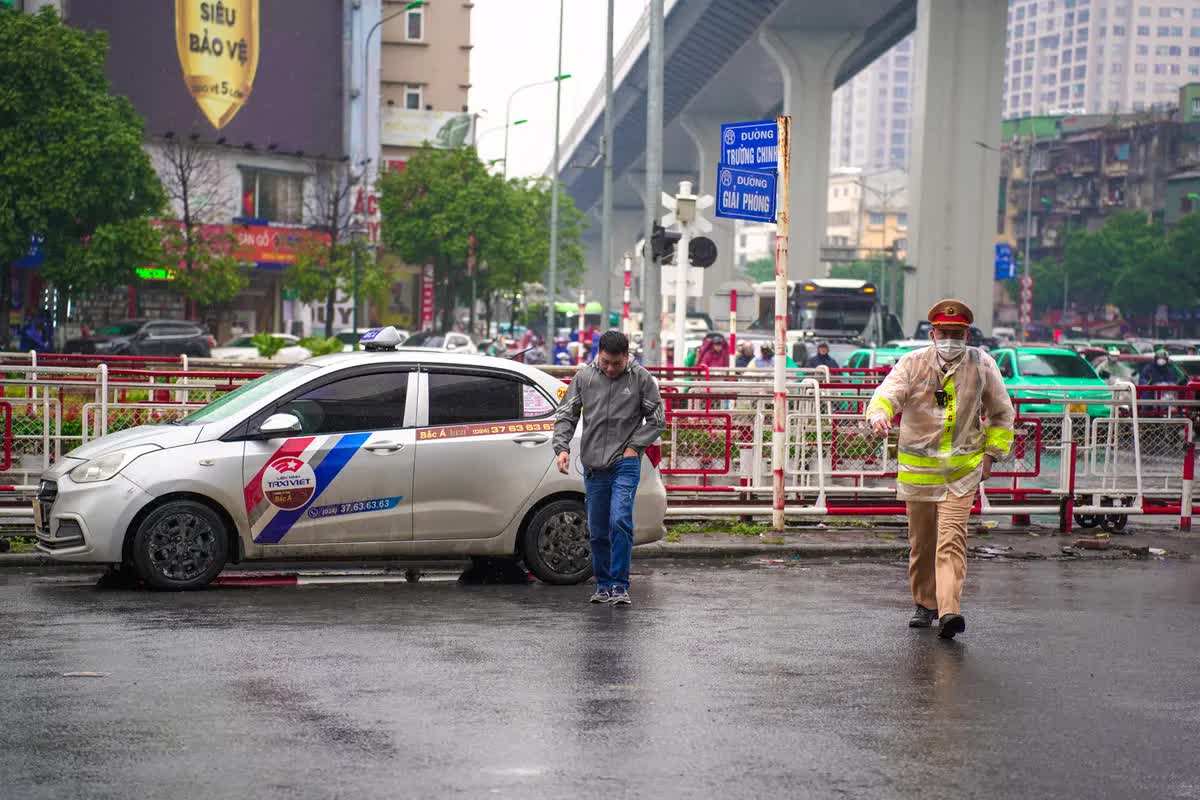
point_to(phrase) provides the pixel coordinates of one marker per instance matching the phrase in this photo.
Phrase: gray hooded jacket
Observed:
(620, 413)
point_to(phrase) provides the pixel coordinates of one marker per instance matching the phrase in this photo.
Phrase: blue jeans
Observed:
(610, 519)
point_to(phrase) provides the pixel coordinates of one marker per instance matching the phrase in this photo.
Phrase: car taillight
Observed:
(212, 342)
(654, 453)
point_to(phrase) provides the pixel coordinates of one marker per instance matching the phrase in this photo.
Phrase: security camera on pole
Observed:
(685, 221)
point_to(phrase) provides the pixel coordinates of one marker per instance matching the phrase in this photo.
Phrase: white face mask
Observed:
(950, 349)
(1162, 362)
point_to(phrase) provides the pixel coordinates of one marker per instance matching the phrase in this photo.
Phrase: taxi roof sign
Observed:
(387, 338)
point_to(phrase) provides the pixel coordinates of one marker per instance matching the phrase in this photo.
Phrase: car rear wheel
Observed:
(180, 545)
(555, 546)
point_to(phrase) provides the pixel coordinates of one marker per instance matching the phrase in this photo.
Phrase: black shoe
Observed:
(923, 617)
(951, 625)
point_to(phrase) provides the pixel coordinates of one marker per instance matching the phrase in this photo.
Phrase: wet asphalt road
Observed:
(1073, 680)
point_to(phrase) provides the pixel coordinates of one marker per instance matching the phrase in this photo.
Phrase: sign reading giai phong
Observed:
(218, 51)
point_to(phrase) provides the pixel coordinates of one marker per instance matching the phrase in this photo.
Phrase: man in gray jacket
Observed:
(622, 416)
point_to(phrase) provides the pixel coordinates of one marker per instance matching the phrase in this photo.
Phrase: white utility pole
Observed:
(686, 221)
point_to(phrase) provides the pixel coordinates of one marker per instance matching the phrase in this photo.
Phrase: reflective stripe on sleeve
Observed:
(999, 439)
(880, 404)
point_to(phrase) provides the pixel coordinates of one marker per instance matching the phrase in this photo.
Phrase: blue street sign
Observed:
(750, 145)
(1006, 268)
(746, 194)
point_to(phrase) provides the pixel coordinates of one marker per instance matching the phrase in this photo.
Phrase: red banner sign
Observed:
(262, 244)
(427, 288)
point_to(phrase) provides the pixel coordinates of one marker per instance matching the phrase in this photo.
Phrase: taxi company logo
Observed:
(218, 52)
(288, 483)
(726, 176)
(730, 136)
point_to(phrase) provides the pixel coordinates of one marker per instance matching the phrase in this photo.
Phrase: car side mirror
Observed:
(280, 424)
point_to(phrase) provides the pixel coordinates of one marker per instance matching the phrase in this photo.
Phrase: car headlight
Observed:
(109, 464)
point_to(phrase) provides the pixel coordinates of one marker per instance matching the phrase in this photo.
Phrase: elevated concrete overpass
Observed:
(729, 60)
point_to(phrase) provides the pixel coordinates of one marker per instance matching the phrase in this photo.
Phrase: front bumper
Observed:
(86, 522)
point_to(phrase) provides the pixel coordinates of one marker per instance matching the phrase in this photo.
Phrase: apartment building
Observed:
(424, 77)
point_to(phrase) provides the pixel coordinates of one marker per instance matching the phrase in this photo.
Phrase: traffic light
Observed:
(662, 243)
(702, 251)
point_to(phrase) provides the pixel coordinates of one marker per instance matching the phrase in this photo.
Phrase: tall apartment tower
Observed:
(872, 114)
(1098, 56)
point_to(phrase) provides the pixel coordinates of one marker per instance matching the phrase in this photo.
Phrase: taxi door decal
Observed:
(253, 490)
(326, 462)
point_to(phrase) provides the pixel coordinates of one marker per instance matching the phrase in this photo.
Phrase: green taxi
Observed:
(1052, 367)
(866, 357)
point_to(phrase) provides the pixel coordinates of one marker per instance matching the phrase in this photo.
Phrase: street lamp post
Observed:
(1024, 327)
(366, 139)
(885, 198)
(553, 186)
(508, 105)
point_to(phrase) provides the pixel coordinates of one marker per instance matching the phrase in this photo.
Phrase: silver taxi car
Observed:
(398, 453)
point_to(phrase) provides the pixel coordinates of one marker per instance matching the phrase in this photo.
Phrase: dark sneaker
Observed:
(620, 597)
(951, 625)
(923, 617)
(601, 595)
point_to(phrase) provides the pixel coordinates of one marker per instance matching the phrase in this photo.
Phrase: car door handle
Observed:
(531, 438)
(384, 447)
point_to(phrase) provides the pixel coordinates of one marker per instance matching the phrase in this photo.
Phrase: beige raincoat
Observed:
(942, 447)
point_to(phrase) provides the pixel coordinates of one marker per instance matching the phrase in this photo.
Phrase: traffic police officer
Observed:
(956, 421)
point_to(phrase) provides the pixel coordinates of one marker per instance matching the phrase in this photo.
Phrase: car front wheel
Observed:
(182, 544)
(555, 545)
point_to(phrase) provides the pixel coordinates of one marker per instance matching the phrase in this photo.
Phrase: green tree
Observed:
(430, 210)
(443, 197)
(760, 269)
(73, 169)
(326, 268)
(522, 253)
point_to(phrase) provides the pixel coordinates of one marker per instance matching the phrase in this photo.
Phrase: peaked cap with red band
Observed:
(950, 313)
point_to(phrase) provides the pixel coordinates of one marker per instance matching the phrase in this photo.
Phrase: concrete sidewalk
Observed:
(886, 542)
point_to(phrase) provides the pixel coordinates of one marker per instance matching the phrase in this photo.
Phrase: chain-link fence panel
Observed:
(121, 416)
(697, 444)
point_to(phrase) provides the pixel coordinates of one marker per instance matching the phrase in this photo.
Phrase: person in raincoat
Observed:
(956, 421)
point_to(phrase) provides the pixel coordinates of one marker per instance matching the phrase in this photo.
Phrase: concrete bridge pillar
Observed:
(705, 132)
(954, 182)
(809, 59)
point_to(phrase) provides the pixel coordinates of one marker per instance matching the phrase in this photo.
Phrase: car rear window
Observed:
(1054, 365)
(425, 339)
(457, 399)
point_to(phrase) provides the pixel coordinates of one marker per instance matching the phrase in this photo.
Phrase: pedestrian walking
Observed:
(622, 416)
(945, 451)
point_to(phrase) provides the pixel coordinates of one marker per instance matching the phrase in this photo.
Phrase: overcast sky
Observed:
(516, 42)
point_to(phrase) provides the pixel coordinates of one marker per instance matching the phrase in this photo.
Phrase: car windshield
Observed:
(121, 329)
(241, 341)
(1054, 365)
(246, 395)
(845, 315)
(425, 339)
